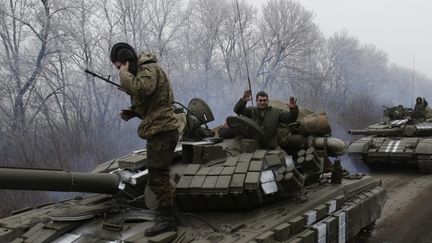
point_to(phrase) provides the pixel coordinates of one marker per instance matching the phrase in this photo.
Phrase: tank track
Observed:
(360, 163)
(425, 164)
(357, 158)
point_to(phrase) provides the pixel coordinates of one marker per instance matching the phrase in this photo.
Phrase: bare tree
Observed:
(286, 32)
(167, 19)
(134, 16)
(206, 19)
(229, 38)
(18, 26)
(339, 54)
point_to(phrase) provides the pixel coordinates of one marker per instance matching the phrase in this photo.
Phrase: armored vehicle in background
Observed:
(227, 190)
(404, 137)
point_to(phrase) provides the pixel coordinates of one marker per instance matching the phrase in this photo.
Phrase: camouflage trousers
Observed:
(160, 150)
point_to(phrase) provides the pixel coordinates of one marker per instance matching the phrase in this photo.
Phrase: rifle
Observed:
(106, 80)
(112, 83)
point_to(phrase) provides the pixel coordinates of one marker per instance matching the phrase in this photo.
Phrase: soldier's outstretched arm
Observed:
(240, 107)
(290, 116)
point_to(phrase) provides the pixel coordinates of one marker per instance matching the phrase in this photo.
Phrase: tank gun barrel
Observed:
(389, 131)
(52, 180)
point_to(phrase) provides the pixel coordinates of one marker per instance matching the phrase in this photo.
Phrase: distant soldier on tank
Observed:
(152, 97)
(420, 105)
(394, 113)
(265, 116)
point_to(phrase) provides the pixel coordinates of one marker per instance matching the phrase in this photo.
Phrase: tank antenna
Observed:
(412, 84)
(244, 50)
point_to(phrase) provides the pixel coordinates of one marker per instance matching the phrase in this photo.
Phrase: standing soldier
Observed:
(152, 97)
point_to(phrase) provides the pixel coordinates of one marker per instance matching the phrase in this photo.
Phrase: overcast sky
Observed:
(399, 27)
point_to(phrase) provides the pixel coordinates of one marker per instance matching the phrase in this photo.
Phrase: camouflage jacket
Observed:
(151, 95)
(421, 107)
(269, 121)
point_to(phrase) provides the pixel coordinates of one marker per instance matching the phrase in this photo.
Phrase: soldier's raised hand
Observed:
(247, 95)
(292, 102)
(124, 67)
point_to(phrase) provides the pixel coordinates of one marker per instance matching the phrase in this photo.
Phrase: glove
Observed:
(128, 114)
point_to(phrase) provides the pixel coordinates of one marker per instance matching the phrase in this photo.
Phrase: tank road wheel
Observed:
(425, 166)
(364, 235)
(367, 230)
(360, 162)
(357, 158)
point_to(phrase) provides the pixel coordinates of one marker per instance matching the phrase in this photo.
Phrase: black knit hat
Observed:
(123, 52)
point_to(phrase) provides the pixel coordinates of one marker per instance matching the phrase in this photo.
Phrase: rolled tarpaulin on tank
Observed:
(335, 145)
(53, 180)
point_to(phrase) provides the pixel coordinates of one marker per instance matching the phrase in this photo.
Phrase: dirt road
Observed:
(407, 214)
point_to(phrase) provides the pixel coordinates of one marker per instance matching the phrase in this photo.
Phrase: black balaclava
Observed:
(123, 52)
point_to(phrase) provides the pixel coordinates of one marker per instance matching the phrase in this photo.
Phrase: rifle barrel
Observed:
(104, 79)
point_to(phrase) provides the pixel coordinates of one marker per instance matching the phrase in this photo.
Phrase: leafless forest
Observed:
(54, 116)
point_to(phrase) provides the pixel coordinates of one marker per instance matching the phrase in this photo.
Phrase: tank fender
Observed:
(360, 146)
(424, 147)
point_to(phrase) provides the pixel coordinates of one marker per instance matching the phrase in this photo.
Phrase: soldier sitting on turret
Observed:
(420, 105)
(395, 113)
(265, 116)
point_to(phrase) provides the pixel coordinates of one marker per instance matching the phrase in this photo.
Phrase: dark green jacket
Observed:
(152, 97)
(268, 122)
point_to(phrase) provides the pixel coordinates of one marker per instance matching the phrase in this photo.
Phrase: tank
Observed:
(227, 190)
(403, 137)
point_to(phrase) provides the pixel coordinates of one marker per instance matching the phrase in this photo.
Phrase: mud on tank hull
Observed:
(393, 150)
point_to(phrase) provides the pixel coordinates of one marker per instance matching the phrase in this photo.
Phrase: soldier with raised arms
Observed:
(420, 105)
(265, 116)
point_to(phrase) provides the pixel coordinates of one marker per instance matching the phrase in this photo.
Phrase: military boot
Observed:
(164, 222)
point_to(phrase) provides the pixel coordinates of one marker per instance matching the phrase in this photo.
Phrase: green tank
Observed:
(403, 137)
(227, 190)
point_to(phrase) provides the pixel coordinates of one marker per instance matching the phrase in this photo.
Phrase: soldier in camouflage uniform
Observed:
(420, 105)
(265, 116)
(152, 97)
